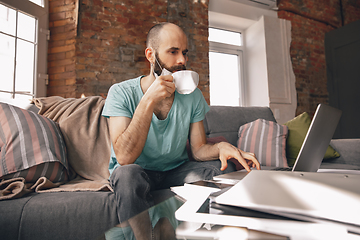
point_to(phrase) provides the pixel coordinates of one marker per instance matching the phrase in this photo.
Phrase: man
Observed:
(150, 123)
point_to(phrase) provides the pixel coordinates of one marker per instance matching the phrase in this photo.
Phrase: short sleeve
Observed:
(200, 108)
(116, 104)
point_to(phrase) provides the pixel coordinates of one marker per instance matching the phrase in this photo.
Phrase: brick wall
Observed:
(310, 20)
(103, 42)
(61, 48)
(108, 42)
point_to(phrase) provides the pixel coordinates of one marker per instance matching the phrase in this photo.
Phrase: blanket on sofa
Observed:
(87, 141)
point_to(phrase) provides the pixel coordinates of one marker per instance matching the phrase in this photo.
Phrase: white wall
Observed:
(269, 78)
(235, 16)
(281, 78)
(256, 85)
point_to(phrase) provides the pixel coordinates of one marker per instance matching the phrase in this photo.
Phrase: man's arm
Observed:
(128, 136)
(223, 150)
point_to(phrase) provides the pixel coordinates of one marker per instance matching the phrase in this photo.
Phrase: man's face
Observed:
(172, 51)
(160, 65)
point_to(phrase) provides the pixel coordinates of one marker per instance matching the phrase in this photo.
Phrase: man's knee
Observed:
(207, 170)
(131, 187)
(130, 176)
(127, 171)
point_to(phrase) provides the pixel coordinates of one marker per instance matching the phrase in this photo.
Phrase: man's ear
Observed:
(150, 54)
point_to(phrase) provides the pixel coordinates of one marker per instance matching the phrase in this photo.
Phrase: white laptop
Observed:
(320, 197)
(312, 152)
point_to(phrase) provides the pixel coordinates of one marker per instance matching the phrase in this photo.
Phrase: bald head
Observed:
(154, 36)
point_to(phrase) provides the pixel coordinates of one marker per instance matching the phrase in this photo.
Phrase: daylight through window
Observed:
(18, 52)
(225, 62)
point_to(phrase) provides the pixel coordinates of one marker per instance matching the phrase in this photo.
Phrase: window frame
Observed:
(233, 50)
(41, 42)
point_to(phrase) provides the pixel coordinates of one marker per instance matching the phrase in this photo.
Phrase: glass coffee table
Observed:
(189, 213)
(162, 220)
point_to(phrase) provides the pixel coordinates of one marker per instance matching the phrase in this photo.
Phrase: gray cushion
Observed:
(349, 150)
(10, 212)
(62, 215)
(58, 215)
(335, 165)
(225, 121)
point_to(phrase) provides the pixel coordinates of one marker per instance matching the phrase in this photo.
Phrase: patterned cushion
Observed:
(31, 146)
(298, 128)
(267, 140)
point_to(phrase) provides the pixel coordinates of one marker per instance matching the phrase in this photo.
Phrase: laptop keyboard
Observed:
(282, 169)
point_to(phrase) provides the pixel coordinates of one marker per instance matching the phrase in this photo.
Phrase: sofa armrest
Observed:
(349, 150)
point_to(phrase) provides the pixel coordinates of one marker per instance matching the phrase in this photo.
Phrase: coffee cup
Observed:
(185, 81)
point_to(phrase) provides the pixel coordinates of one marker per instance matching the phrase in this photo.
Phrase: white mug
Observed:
(185, 81)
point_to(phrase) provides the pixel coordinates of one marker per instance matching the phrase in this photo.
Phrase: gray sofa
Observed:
(225, 121)
(88, 214)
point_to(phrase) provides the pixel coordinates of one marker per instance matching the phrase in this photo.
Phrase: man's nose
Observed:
(181, 60)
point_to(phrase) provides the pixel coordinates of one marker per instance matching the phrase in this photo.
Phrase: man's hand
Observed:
(163, 87)
(246, 159)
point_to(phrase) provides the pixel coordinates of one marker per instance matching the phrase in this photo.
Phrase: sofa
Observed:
(80, 204)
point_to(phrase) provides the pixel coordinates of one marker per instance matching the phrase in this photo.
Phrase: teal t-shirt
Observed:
(165, 146)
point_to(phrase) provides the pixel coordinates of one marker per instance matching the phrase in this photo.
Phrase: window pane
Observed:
(22, 97)
(38, 2)
(223, 36)
(5, 96)
(224, 79)
(26, 27)
(7, 20)
(7, 60)
(24, 67)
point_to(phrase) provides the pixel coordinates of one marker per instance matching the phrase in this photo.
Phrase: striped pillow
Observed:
(31, 146)
(267, 140)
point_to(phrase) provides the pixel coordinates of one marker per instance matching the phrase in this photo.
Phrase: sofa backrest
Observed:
(225, 121)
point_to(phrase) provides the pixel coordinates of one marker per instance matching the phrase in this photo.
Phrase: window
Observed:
(223, 36)
(21, 27)
(225, 61)
(39, 2)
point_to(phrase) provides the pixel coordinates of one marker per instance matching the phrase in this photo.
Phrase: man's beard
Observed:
(172, 69)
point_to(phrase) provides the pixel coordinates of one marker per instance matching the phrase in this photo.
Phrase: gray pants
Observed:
(132, 184)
